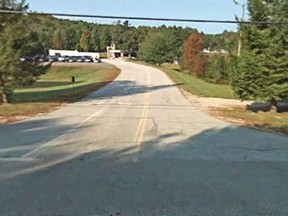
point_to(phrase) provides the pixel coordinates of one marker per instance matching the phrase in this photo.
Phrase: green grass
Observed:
(55, 88)
(56, 84)
(193, 84)
(197, 86)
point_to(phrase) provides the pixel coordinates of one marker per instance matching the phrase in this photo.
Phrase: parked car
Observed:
(80, 59)
(63, 58)
(40, 58)
(52, 58)
(87, 59)
(72, 59)
(26, 59)
(97, 60)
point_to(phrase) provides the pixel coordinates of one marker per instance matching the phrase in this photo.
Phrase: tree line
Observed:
(84, 36)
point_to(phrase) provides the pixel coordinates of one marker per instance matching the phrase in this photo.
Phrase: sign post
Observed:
(73, 82)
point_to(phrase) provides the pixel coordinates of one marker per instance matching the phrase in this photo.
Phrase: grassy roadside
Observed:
(193, 84)
(54, 89)
(270, 121)
(197, 86)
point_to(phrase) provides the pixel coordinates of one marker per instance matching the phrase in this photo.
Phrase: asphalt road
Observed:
(138, 147)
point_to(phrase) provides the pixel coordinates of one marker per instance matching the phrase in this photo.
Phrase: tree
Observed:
(58, 40)
(262, 70)
(95, 39)
(193, 58)
(174, 40)
(117, 32)
(217, 68)
(17, 40)
(226, 40)
(10, 5)
(45, 31)
(71, 38)
(85, 40)
(105, 37)
(130, 44)
(278, 64)
(154, 49)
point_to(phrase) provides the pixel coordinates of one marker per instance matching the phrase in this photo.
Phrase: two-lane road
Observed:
(138, 147)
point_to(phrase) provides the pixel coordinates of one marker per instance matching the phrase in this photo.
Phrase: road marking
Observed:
(69, 131)
(140, 131)
(15, 159)
(143, 121)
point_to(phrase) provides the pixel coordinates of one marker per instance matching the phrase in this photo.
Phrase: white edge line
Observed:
(69, 131)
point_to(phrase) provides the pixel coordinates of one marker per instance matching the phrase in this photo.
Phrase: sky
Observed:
(180, 9)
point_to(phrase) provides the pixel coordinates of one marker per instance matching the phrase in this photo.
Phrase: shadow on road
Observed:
(71, 94)
(113, 89)
(30, 135)
(228, 171)
(125, 88)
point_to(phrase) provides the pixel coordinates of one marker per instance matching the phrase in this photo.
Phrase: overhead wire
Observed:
(142, 18)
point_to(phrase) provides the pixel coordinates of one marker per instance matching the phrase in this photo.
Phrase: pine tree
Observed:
(262, 68)
(17, 40)
(278, 61)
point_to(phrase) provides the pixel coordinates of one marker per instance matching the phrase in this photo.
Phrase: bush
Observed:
(217, 69)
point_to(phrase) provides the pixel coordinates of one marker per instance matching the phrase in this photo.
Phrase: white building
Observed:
(206, 51)
(112, 53)
(94, 55)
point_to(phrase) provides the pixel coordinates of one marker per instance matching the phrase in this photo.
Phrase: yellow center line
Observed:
(141, 128)
(143, 121)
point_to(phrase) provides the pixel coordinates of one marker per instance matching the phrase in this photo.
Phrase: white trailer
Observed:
(94, 55)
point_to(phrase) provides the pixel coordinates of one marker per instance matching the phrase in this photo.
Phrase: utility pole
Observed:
(242, 19)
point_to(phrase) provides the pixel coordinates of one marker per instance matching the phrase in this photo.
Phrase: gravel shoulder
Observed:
(204, 103)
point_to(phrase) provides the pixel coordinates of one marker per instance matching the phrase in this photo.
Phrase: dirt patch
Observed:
(13, 119)
(207, 103)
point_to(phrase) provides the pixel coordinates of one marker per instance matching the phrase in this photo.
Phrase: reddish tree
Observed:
(200, 64)
(193, 59)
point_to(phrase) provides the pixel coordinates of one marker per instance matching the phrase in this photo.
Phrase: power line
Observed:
(142, 18)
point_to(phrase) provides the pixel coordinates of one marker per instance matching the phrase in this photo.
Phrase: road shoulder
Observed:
(234, 111)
